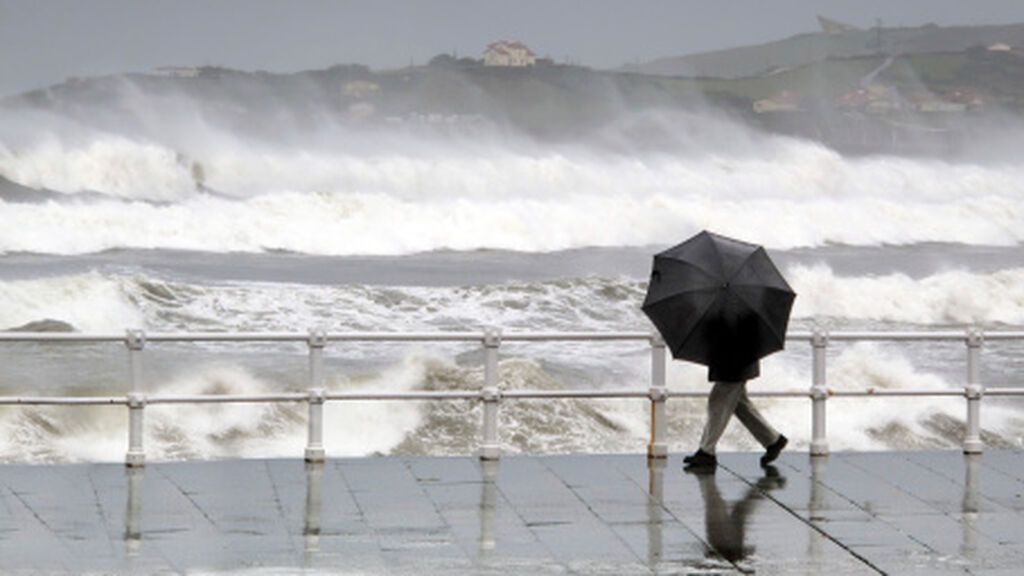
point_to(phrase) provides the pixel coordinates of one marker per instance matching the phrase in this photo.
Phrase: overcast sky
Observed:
(43, 42)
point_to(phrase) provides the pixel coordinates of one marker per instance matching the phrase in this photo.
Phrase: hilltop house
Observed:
(505, 53)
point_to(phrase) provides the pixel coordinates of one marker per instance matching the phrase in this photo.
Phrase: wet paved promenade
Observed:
(849, 513)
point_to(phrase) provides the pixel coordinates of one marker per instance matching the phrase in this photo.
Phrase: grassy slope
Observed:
(998, 75)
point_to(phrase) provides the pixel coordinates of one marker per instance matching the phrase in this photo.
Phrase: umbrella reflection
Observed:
(724, 524)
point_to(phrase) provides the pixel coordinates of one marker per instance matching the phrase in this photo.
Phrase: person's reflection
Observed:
(725, 526)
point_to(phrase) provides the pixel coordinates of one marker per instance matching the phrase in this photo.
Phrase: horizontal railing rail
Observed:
(491, 394)
(470, 395)
(474, 336)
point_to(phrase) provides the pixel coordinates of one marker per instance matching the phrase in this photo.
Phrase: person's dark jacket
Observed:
(731, 344)
(725, 372)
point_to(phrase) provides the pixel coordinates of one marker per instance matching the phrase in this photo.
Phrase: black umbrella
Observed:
(719, 302)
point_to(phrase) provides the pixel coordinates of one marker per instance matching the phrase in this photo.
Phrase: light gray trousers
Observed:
(725, 399)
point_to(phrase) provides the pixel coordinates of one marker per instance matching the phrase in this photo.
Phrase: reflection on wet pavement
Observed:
(726, 522)
(899, 513)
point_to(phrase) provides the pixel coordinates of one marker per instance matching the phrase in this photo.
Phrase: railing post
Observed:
(490, 395)
(317, 395)
(974, 391)
(819, 393)
(658, 447)
(135, 340)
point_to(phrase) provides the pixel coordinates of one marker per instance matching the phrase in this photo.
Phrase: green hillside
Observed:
(804, 49)
(997, 76)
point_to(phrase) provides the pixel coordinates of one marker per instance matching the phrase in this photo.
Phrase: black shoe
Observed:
(700, 459)
(772, 452)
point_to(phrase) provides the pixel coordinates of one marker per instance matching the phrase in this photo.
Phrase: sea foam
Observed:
(112, 302)
(342, 191)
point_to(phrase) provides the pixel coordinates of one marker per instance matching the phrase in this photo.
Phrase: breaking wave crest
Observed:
(952, 297)
(86, 302)
(97, 302)
(341, 191)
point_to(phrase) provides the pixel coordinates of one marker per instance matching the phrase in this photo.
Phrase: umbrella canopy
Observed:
(720, 302)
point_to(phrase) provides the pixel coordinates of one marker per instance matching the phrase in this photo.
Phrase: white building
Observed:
(505, 53)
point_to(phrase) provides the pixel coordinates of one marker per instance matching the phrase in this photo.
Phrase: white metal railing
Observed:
(491, 394)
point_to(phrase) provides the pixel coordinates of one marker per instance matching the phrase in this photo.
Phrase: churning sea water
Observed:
(181, 223)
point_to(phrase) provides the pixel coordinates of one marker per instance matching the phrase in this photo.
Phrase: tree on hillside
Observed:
(449, 61)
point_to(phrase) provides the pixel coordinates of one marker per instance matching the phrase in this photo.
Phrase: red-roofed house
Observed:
(505, 53)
